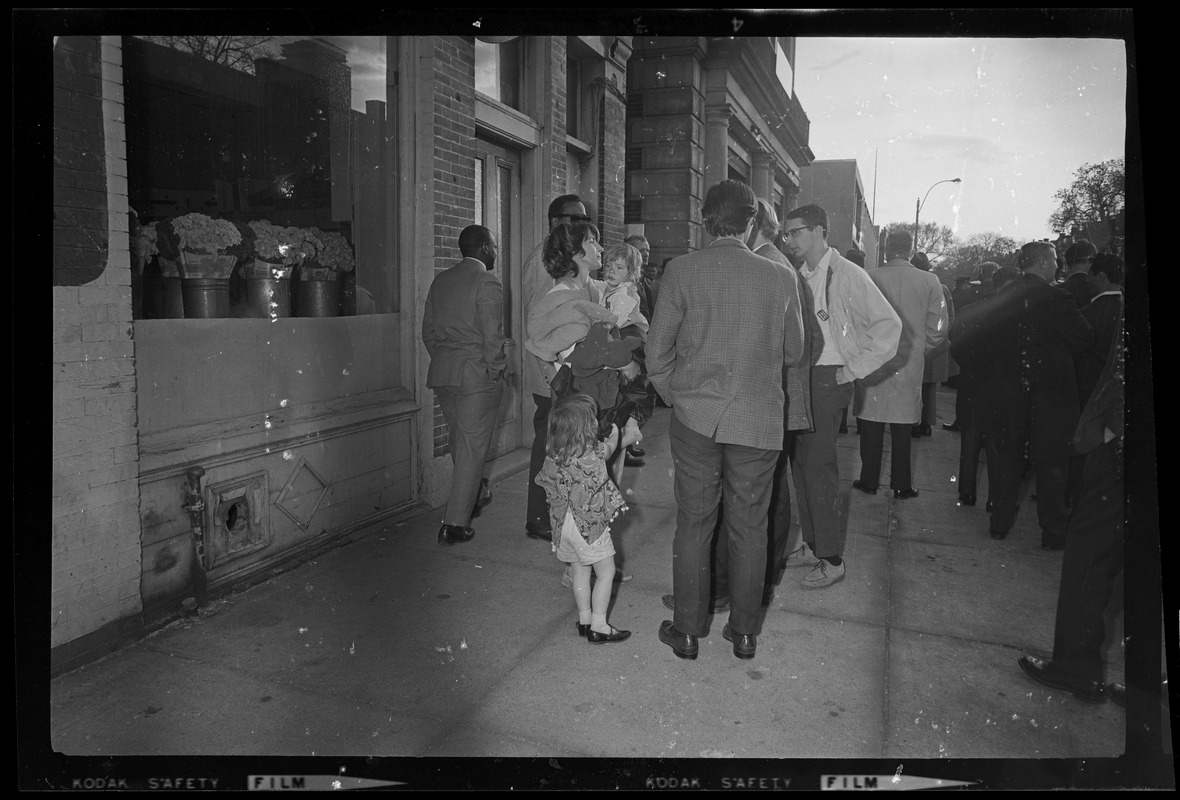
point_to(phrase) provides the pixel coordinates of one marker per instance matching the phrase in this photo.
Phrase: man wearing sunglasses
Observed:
(861, 332)
(567, 208)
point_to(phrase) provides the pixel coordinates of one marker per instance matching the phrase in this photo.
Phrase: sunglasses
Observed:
(575, 217)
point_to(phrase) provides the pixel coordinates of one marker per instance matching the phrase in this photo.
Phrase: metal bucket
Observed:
(318, 298)
(268, 298)
(205, 298)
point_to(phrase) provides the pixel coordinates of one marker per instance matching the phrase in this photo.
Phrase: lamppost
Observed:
(918, 210)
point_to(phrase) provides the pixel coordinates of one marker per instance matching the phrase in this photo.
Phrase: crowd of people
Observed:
(760, 343)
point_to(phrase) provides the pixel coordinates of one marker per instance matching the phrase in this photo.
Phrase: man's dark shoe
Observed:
(719, 606)
(683, 645)
(1118, 693)
(744, 644)
(1044, 673)
(856, 484)
(485, 498)
(631, 461)
(534, 533)
(636, 451)
(454, 534)
(951, 426)
(921, 430)
(966, 499)
(905, 494)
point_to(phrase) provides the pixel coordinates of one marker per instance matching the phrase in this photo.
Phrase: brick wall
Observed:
(95, 510)
(553, 136)
(612, 152)
(454, 166)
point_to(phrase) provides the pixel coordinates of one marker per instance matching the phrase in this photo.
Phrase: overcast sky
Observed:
(1014, 118)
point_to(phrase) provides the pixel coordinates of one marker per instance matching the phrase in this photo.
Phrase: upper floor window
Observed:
(499, 70)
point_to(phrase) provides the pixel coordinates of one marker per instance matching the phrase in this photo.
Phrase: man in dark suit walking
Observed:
(1032, 337)
(463, 330)
(716, 350)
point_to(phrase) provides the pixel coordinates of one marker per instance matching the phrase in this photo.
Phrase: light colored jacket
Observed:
(893, 393)
(867, 328)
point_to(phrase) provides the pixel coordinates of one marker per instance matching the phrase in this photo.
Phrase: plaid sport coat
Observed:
(723, 329)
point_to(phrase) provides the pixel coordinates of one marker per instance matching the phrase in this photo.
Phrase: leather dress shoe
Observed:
(636, 451)
(631, 461)
(966, 499)
(905, 494)
(454, 534)
(1044, 673)
(582, 629)
(719, 606)
(952, 426)
(683, 645)
(744, 644)
(856, 484)
(615, 635)
(919, 431)
(485, 498)
(533, 533)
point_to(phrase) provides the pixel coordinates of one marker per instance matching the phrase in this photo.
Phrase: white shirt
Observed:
(817, 281)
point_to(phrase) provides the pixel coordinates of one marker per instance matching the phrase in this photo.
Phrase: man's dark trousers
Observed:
(471, 414)
(1092, 562)
(872, 445)
(705, 472)
(537, 518)
(815, 466)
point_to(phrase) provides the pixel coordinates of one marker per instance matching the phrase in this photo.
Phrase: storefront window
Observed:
(296, 132)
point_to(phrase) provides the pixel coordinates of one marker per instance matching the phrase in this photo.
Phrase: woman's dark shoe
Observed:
(536, 533)
(615, 635)
(966, 499)
(1046, 674)
(636, 451)
(744, 644)
(905, 494)
(1118, 693)
(951, 426)
(856, 484)
(583, 629)
(683, 645)
(454, 534)
(921, 430)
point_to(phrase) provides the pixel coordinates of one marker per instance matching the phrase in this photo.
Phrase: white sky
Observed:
(1014, 118)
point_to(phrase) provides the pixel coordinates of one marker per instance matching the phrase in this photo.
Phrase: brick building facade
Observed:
(305, 428)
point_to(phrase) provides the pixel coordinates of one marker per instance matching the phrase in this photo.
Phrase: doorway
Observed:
(497, 207)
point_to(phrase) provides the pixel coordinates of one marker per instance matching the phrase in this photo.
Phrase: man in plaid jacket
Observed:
(725, 329)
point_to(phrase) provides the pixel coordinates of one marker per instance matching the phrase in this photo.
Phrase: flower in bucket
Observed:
(334, 252)
(277, 249)
(199, 233)
(144, 245)
(203, 242)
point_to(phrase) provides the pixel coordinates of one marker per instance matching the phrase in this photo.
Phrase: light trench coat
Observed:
(893, 393)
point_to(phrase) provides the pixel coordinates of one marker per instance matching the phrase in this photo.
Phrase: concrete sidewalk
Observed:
(390, 645)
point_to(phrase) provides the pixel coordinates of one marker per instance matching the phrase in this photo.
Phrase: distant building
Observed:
(700, 110)
(835, 185)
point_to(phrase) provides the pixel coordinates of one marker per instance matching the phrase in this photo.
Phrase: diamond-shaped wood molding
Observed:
(300, 498)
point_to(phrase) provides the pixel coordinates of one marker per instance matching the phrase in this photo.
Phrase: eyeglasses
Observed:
(576, 217)
(793, 233)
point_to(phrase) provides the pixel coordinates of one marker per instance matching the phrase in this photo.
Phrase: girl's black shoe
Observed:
(582, 629)
(594, 637)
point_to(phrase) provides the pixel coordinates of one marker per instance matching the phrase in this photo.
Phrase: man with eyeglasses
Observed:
(567, 208)
(860, 332)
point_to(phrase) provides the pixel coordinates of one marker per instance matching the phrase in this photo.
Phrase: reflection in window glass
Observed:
(498, 70)
(296, 132)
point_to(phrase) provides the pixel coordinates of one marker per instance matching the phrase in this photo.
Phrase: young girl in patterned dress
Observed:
(583, 501)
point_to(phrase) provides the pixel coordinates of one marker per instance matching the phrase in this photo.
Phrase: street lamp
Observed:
(918, 210)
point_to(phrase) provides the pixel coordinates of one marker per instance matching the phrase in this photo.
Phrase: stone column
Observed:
(716, 145)
(762, 177)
